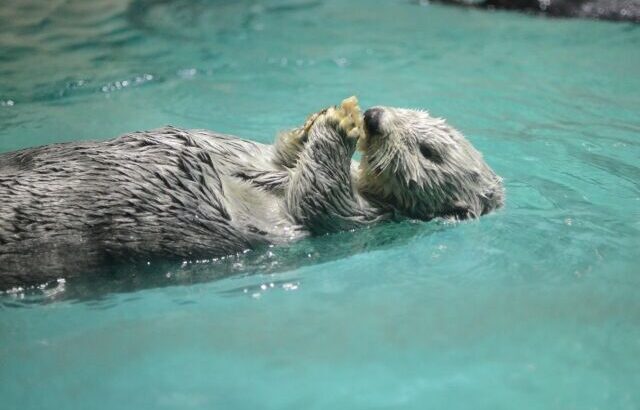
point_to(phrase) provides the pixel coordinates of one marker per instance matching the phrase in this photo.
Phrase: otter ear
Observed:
(430, 153)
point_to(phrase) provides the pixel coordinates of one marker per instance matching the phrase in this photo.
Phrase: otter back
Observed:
(68, 208)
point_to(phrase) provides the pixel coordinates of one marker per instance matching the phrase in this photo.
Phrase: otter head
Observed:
(423, 168)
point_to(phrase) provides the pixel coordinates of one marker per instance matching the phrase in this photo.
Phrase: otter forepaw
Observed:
(290, 143)
(347, 118)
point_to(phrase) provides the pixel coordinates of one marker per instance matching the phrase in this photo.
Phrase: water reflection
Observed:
(269, 261)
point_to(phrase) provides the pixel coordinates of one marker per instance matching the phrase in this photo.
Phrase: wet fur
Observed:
(424, 168)
(170, 193)
(68, 209)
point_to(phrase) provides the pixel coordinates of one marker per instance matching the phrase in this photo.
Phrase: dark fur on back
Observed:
(76, 206)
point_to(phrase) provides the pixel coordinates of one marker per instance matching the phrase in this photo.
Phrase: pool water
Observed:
(532, 307)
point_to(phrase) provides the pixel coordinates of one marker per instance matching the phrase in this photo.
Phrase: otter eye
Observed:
(429, 153)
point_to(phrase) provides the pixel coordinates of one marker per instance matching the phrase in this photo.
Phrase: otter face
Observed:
(424, 168)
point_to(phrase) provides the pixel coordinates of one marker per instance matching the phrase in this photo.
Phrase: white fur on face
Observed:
(424, 168)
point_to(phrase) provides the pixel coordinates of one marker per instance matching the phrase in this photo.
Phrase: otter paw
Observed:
(347, 118)
(290, 143)
(297, 137)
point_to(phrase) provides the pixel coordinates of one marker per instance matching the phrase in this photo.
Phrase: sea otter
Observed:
(67, 209)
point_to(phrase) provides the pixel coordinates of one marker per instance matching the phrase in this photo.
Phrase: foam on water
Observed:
(534, 306)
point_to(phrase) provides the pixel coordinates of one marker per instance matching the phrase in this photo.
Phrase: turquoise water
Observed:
(533, 307)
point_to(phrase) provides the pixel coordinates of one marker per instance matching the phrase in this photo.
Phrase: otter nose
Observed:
(372, 120)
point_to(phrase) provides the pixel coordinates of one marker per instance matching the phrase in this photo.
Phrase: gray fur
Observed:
(424, 168)
(68, 209)
(170, 193)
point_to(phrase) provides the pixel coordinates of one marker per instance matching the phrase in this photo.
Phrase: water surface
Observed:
(534, 306)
